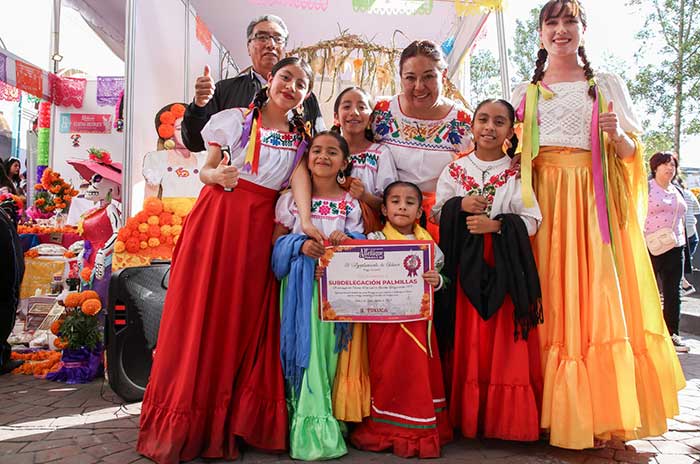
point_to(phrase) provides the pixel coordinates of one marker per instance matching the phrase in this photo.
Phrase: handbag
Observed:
(662, 240)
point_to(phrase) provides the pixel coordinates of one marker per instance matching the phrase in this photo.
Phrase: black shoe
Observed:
(10, 365)
(678, 344)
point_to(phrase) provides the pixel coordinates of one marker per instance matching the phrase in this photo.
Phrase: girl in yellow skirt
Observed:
(610, 368)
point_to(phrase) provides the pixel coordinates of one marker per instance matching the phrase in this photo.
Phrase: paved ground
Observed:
(42, 421)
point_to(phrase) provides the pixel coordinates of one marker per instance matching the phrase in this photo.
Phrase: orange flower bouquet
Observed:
(80, 328)
(79, 338)
(53, 195)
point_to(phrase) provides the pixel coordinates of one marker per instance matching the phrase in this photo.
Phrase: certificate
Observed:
(376, 281)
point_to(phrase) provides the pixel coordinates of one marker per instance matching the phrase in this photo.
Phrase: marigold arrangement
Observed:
(53, 194)
(38, 363)
(37, 229)
(80, 327)
(152, 232)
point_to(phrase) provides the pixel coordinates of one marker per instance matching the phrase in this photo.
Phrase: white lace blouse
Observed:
(565, 119)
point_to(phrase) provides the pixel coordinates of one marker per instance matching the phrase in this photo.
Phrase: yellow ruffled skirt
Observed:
(351, 389)
(610, 368)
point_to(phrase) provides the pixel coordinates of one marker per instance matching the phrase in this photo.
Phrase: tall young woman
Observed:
(217, 377)
(610, 368)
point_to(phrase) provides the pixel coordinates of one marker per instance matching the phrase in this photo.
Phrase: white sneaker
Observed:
(687, 291)
(678, 344)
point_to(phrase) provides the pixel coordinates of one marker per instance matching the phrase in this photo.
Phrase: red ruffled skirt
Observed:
(408, 408)
(217, 373)
(496, 382)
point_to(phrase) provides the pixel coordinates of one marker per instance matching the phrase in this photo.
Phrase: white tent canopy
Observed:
(227, 20)
(163, 57)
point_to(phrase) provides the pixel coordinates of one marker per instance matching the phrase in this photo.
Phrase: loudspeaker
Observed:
(136, 297)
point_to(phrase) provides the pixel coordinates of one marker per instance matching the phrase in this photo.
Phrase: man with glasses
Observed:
(267, 38)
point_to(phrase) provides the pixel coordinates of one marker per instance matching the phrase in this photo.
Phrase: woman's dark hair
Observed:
(343, 147)
(369, 135)
(425, 48)
(555, 9)
(401, 183)
(662, 157)
(297, 122)
(511, 116)
(5, 180)
(8, 165)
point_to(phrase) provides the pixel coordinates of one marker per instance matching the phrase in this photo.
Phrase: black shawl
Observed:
(514, 274)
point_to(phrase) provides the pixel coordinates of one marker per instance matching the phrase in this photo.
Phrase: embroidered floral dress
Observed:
(422, 148)
(314, 431)
(488, 368)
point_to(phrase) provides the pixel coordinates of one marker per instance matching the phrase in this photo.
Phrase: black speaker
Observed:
(136, 297)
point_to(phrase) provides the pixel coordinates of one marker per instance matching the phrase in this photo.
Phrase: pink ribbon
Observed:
(597, 168)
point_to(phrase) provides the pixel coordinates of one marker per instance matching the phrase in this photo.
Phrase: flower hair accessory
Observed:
(165, 124)
(99, 155)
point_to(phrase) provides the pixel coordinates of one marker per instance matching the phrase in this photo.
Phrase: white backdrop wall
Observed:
(167, 58)
(62, 147)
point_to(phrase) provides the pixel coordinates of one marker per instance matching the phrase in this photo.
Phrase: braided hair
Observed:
(555, 9)
(369, 134)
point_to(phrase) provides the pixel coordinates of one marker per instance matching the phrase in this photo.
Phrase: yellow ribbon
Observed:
(531, 138)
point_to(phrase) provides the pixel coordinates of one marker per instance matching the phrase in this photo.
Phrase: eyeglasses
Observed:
(263, 37)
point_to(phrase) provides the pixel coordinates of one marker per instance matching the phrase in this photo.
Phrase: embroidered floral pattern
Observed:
(472, 187)
(331, 209)
(365, 160)
(279, 139)
(438, 134)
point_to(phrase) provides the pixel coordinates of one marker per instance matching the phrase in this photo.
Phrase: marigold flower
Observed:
(86, 273)
(143, 245)
(142, 216)
(153, 242)
(132, 245)
(153, 220)
(58, 343)
(143, 228)
(175, 230)
(143, 237)
(154, 231)
(152, 206)
(72, 300)
(178, 110)
(88, 295)
(177, 220)
(165, 230)
(91, 307)
(56, 327)
(119, 246)
(123, 234)
(165, 218)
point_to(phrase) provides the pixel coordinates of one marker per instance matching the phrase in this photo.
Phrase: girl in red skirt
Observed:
(216, 376)
(408, 412)
(486, 319)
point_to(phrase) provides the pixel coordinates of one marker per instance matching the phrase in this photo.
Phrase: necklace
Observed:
(484, 173)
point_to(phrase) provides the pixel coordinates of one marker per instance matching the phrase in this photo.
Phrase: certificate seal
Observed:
(412, 263)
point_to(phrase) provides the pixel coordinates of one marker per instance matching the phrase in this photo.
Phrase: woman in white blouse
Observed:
(610, 368)
(424, 130)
